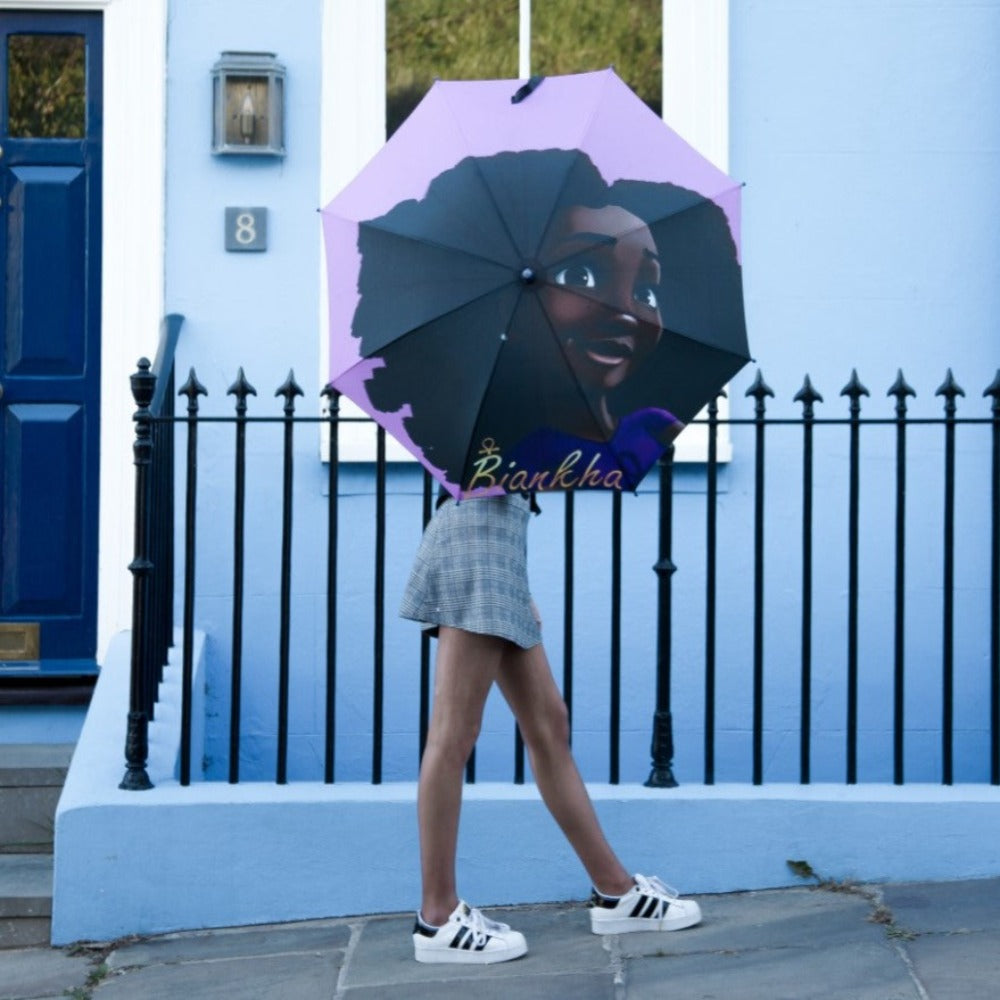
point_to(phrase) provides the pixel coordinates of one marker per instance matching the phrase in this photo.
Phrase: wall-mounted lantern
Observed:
(248, 93)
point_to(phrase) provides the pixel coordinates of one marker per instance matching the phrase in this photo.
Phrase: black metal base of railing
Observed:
(662, 751)
(136, 751)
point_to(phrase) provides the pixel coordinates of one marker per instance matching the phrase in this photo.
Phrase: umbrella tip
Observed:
(526, 89)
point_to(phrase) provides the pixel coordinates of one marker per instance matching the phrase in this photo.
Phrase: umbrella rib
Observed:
(438, 316)
(692, 337)
(501, 215)
(696, 202)
(482, 401)
(429, 242)
(569, 367)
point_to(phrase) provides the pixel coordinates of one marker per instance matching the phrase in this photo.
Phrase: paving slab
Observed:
(559, 941)
(930, 907)
(787, 944)
(302, 976)
(40, 972)
(583, 986)
(782, 918)
(243, 942)
(963, 964)
(859, 971)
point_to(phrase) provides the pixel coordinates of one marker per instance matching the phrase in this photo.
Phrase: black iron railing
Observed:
(154, 575)
(152, 567)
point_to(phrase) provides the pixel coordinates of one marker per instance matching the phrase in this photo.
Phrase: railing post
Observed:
(378, 652)
(760, 390)
(333, 537)
(854, 390)
(143, 383)
(192, 388)
(662, 748)
(711, 551)
(808, 397)
(949, 389)
(289, 389)
(241, 389)
(900, 389)
(993, 389)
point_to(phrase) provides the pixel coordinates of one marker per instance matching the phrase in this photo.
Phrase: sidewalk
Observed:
(893, 942)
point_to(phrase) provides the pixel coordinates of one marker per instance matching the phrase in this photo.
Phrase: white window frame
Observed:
(695, 103)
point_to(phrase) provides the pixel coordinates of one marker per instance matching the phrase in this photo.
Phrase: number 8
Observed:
(245, 228)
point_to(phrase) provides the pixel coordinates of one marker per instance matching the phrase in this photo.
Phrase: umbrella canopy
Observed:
(534, 287)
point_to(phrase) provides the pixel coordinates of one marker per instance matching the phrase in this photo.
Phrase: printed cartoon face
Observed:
(602, 293)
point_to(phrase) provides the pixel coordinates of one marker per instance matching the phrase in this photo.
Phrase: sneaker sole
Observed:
(632, 925)
(456, 956)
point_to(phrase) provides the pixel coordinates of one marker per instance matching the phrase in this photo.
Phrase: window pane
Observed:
(445, 39)
(46, 86)
(573, 36)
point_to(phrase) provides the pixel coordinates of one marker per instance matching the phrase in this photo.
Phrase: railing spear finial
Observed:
(808, 397)
(901, 389)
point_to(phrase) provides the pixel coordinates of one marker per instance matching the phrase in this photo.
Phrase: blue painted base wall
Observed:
(214, 855)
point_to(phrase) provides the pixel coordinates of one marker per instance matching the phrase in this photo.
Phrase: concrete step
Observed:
(31, 779)
(25, 900)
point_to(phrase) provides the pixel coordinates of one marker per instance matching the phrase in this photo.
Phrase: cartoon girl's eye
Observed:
(576, 276)
(646, 296)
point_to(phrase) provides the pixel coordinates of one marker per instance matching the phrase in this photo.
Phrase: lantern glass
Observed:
(248, 97)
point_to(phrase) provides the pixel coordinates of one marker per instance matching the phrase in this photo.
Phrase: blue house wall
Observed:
(867, 136)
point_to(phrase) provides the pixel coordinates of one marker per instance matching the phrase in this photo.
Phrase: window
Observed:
(46, 86)
(673, 53)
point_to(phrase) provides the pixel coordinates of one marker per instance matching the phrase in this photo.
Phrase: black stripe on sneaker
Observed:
(653, 909)
(464, 940)
(640, 905)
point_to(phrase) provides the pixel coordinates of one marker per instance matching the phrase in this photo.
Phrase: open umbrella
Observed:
(533, 286)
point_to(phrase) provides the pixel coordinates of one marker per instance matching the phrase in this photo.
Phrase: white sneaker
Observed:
(468, 938)
(649, 905)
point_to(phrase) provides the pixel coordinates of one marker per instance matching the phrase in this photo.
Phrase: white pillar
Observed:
(696, 74)
(524, 39)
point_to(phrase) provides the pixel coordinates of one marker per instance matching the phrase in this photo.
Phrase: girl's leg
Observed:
(527, 683)
(465, 667)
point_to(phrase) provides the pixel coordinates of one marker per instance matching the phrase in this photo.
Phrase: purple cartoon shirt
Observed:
(634, 448)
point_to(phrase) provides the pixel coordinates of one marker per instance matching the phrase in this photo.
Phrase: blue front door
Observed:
(50, 259)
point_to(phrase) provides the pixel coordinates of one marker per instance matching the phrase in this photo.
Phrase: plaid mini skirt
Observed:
(471, 570)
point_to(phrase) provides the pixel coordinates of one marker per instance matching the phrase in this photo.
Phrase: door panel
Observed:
(46, 284)
(49, 526)
(50, 263)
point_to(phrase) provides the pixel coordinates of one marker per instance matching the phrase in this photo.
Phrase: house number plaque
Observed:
(246, 229)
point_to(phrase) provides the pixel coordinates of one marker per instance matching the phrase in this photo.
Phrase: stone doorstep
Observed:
(24, 932)
(34, 764)
(25, 885)
(25, 900)
(31, 781)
